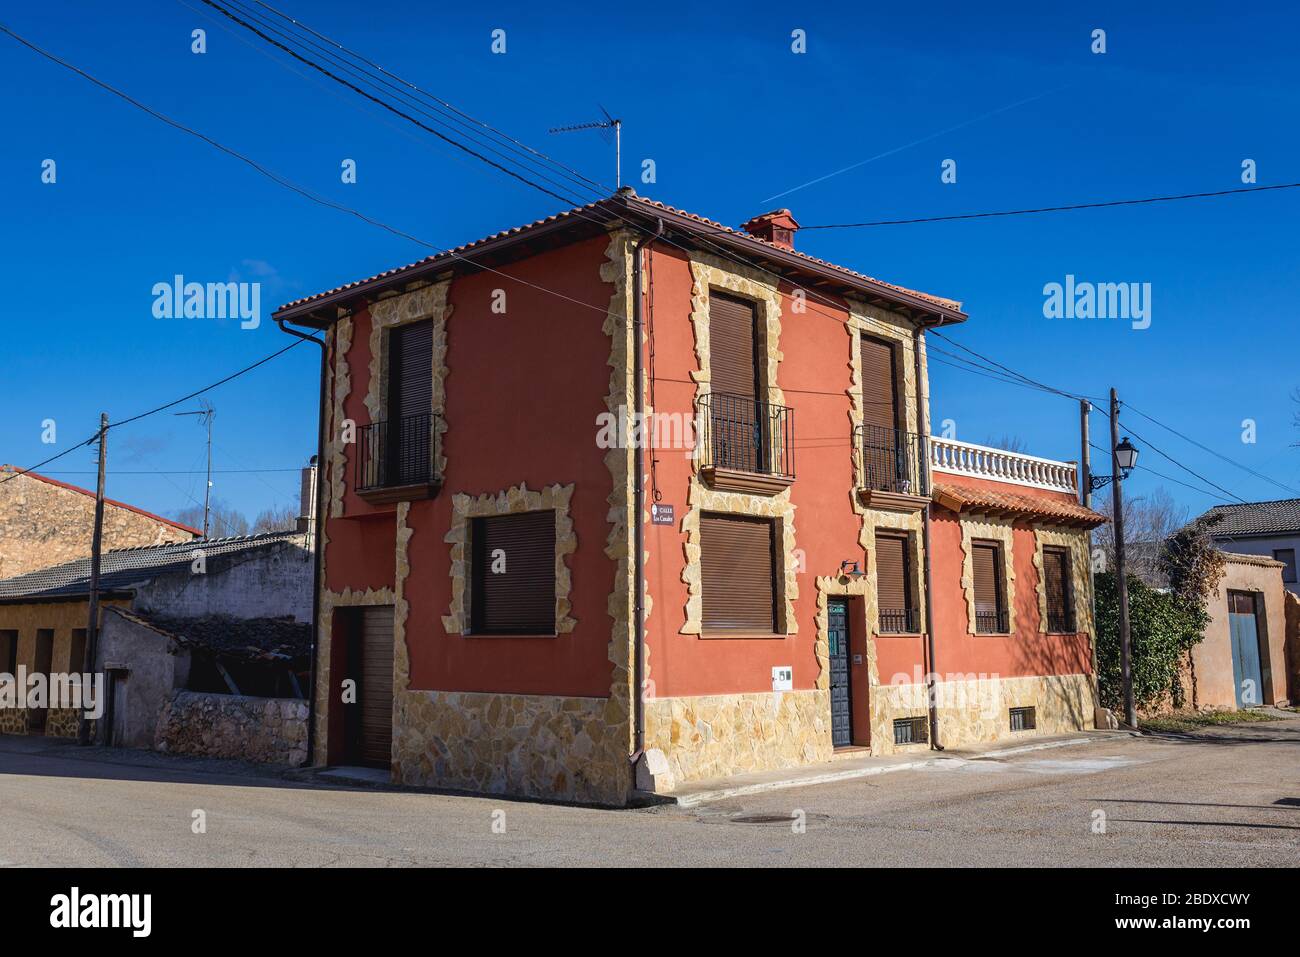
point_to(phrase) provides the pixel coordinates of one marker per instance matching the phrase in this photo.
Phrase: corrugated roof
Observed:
(1255, 518)
(960, 498)
(605, 206)
(123, 568)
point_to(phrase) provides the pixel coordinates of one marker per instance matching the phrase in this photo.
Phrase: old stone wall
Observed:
(45, 523)
(263, 730)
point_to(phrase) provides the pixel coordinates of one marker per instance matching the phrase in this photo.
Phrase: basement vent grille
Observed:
(1022, 719)
(909, 731)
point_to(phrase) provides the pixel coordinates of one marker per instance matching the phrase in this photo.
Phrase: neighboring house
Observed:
(1241, 661)
(1261, 528)
(480, 568)
(44, 522)
(225, 615)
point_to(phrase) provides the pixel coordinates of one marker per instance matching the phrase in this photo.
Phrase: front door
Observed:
(375, 691)
(841, 698)
(37, 717)
(1243, 628)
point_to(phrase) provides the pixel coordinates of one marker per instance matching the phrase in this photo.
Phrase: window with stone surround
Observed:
(512, 581)
(990, 589)
(738, 562)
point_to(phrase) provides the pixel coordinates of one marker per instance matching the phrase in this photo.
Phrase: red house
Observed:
(808, 561)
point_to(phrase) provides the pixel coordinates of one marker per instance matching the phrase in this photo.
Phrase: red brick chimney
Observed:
(776, 227)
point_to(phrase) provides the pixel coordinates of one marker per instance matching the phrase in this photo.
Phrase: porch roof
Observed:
(964, 498)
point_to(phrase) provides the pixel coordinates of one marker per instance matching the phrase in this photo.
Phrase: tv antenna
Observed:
(608, 123)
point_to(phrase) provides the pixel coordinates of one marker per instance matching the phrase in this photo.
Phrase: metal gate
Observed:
(1244, 630)
(841, 696)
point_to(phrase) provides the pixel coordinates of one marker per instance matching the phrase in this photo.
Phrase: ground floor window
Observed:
(738, 574)
(512, 586)
(990, 589)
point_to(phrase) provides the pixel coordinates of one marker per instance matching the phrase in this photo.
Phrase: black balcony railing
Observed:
(395, 453)
(890, 460)
(989, 622)
(747, 435)
(899, 621)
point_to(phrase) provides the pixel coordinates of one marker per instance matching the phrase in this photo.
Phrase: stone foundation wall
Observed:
(544, 746)
(709, 736)
(264, 730)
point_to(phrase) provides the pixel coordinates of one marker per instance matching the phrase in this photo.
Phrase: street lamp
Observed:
(1125, 456)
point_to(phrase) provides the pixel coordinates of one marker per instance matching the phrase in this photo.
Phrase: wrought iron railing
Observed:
(891, 460)
(747, 435)
(991, 622)
(899, 621)
(395, 453)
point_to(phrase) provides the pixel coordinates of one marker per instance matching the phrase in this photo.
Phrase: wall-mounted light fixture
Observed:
(851, 569)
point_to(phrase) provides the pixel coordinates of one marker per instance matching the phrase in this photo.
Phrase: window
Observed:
(512, 583)
(893, 585)
(77, 651)
(9, 651)
(1287, 557)
(1058, 586)
(910, 731)
(990, 605)
(738, 579)
(1023, 719)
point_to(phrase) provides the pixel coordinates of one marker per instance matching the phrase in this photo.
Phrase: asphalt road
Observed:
(1229, 797)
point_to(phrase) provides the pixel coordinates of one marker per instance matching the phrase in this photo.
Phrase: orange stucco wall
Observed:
(523, 393)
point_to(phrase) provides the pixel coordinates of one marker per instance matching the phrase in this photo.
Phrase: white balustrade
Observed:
(999, 465)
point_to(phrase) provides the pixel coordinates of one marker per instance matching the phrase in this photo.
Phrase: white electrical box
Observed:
(783, 678)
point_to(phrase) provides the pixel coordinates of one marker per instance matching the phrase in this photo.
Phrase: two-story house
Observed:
(505, 607)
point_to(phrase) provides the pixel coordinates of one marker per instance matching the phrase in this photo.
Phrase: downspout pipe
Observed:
(318, 538)
(638, 502)
(923, 454)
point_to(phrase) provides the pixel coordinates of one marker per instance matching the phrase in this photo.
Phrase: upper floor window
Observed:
(1287, 557)
(512, 581)
(738, 574)
(990, 588)
(1058, 585)
(397, 452)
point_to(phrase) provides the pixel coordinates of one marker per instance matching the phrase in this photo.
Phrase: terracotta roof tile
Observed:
(962, 498)
(578, 212)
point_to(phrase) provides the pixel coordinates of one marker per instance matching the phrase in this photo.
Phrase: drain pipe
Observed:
(638, 504)
(318, 538)
(923, 456)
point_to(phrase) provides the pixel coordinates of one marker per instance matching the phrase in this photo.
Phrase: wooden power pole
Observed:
(1121, 572)
(92, 624)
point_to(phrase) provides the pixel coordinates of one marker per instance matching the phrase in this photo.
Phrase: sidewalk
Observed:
(844, 769)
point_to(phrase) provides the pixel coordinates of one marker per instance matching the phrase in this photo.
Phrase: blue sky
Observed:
(731, 117)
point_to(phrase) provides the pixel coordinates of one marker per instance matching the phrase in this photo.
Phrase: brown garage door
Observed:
(376, 691)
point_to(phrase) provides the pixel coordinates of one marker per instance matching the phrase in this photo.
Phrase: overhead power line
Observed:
(1054, 209)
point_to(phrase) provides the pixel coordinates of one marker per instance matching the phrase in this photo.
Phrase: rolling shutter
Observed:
(891, 573)
(410, 369)
(879, 390)
(731, 346)
(376, 692)
(738, 574)
(987, 592)
(521, 599)
(1056, 585)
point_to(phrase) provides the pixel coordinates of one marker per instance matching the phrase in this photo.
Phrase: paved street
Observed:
(1229, 797)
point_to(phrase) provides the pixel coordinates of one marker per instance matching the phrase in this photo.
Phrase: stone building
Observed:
(229, 618)
(530, 604)
(44, 522)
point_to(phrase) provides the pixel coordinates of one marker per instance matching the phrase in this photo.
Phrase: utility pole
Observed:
(92, 624)
(207, 412)
(1085, 457)
(1121, 576)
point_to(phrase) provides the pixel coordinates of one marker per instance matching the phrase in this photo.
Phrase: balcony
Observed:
(990, 621)
(394, 460)
(891, 468)
(899, 621)
(746, 445)
(998, 465)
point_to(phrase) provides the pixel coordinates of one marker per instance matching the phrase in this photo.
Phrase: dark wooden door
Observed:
(841, 694)
(410, 399)
(375, 686)
(37, 717)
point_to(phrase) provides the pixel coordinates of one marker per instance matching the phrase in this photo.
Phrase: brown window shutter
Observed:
(988, 586)
(1056, 585)
(879, 387)
(891, 572)
(410, 369)
(376, 692)
(520, 600)
(731, 346)
(738, 574)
